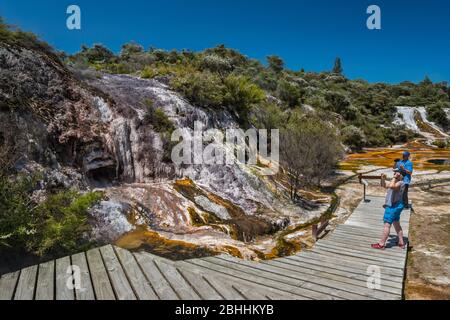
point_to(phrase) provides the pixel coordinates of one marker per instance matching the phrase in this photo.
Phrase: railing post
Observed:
(314, 232)
(364, 196)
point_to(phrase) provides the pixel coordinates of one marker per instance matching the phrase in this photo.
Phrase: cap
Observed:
(406, 154)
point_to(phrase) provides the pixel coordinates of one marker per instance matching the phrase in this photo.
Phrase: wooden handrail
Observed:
(363, 180)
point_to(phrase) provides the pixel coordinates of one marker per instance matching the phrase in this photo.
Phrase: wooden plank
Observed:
(351, 261)
(250, 268)
(138, 281)
(328, 283)
(360, 230)
(293, 287)
(376, 220)
(63, 291)
(152, 273)
(344, 260)
(342, 232)
(250, 293)
(366, 251)
(224, 288)
(392, 237)
(177, 282)
(329, 266)
(26, 285)
(119, 281)
(86, 289)
(326, 273)
(358, 257)
(372, 237)
(204, 289)
(227, 281)
(46, 281)
(354, 243)
(100, 280)
(369, 253)
(8, 284)
(373, 226)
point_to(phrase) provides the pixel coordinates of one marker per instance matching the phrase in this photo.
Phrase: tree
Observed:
(98, 53)
(203, 89)
(268, 116)
(436, 113)
(129, 49)
(338, 66)
(337, 102)
(353, 137)
(241, 94)
(290, 92)
(215, 63)
(309, 150)
(276, 64)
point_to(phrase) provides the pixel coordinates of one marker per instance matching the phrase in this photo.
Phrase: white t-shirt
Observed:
(393, 197)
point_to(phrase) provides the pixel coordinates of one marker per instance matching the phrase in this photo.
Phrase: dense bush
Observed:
(241, 94)
(353, 137)
(309, 150)
(276, 64)
(61, 221)
(203, 89)
(436, 113)
(55, 225)
(97, 54)
(290, 93)
(23, 39)
(216, 63)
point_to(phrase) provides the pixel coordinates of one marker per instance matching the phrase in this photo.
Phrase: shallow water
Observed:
(421, 155)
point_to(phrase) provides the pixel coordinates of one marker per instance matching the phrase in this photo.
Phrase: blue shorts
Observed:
(392, 214)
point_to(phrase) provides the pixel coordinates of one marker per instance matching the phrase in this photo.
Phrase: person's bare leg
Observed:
(399, 230)
(385, 236)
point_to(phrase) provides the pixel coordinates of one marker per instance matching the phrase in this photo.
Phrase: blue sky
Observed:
(414, 40)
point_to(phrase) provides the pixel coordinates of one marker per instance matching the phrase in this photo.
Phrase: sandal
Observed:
(402, 246)
(378, 246)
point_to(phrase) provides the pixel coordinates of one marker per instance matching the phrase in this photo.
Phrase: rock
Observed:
(209, 206)
(109, 221)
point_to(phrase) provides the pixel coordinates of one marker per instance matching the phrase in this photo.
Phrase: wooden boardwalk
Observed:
(338, 267)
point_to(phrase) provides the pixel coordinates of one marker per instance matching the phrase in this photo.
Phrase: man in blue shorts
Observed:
(406, 167)
(393, 208)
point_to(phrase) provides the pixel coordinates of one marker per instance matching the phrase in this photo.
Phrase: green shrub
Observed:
(437, 114)
(217, 64)
(290, 93)
(203, 89)
(441, 144)
(97, 54)
(160, 121)
(241, 94)
(61, 221)
(23, 39)
(337, 102)
(16, 216)
(276, 64)
(268, 116)
(353, 137)
(54, 226)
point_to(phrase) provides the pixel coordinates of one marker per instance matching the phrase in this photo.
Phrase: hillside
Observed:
(366, 114)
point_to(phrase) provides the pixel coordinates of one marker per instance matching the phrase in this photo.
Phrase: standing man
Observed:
(406, 168)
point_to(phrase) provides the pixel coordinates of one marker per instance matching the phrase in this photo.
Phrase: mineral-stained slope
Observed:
(98, 133)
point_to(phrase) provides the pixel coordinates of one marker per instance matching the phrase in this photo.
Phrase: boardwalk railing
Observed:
(340, 266)
(363, 180)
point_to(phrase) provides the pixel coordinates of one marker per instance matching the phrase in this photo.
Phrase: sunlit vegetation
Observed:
(224, 78)
(55, 225)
